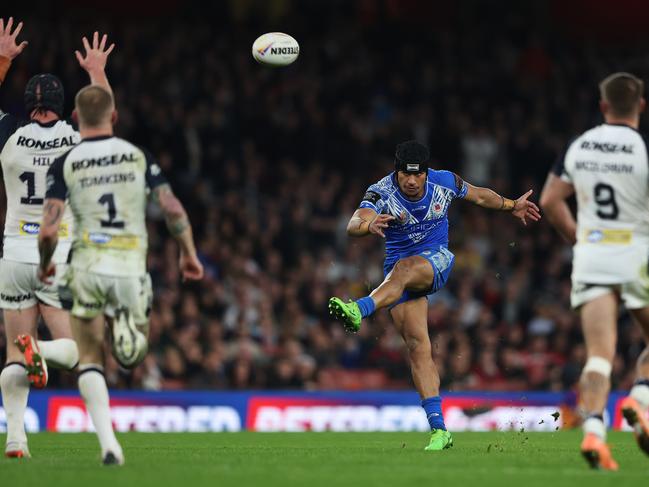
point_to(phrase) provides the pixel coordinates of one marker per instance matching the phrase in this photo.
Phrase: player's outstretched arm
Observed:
(9, 47)
(553, 201)
(95, 58)
(521, 208)
(48, 237)
(365, 221)
(179, 227)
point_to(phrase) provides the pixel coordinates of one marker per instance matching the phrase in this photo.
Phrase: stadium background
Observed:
(271, 163)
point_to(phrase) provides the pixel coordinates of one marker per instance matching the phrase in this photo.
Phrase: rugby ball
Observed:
(275, 49)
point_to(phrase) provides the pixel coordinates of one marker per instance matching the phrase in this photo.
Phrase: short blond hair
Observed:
(94, 106)
(623, 92)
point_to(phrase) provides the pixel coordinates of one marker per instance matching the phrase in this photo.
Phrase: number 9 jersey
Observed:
(609, 169)
(27, 153)
(106, 181)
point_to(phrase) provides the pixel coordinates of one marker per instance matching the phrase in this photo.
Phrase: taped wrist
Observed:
(507, 204)
(5, 63)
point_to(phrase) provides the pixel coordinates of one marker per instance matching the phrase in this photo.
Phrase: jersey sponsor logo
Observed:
(106, 240)
(608, 236)
(15, 299)
(32, 228)
(607, 147)
(107, 179)
(105, 161)
(45, 144)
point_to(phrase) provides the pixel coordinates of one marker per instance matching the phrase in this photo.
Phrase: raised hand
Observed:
(524, 209)
(8, 46)
(379, 223)
(96, 55)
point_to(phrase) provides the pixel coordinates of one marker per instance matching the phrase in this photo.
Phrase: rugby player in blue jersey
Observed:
(409, 209)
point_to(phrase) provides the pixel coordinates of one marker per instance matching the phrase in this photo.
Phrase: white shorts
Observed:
(634, 295)
(93, 294)
(20, 287)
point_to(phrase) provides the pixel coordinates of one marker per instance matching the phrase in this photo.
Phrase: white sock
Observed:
(94, 391)
(640, 392)
(596, 426)
(61, 353)
(15, 389)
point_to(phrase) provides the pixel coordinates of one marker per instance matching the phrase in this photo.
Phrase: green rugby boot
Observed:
(348, 313)
(439, 440)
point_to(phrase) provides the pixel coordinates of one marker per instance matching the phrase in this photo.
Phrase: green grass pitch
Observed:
(322, 459)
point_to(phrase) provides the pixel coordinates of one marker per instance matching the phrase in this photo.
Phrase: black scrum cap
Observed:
(411, 157)
(44, 92)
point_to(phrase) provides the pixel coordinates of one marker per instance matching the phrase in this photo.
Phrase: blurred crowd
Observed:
(271, 163)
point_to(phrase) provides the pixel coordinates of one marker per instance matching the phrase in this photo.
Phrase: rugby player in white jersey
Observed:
(107, 181)
(607, 168)
(27, 149)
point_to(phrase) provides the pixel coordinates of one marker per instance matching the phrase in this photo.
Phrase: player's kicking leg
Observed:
(599, 324)
(412, 273)
(60, 352)
(13, 379)
(635, 406)
(89, 335)
(411, 320)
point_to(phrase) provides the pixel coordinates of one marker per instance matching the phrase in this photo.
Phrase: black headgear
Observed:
(412, 157)
(44, 92)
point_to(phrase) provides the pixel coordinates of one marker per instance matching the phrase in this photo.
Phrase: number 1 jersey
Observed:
(609, 169)
(106, 181)
(28, 150)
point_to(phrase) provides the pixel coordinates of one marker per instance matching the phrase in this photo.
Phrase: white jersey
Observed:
(106, 181)
(609, 169)
(27, 153)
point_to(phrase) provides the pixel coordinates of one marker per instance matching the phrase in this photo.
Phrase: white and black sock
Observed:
(594, 423)
(15, 390)
(61, 353)
(94, 391)
(640, 392)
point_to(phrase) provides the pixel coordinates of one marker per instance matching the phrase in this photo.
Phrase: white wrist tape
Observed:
(598, 365)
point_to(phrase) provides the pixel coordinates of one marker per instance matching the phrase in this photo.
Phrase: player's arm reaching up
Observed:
(94, 60)
(181, 230)
(521, 207)
(9, 47)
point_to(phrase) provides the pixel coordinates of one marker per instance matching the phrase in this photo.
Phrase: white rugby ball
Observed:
(275, 49)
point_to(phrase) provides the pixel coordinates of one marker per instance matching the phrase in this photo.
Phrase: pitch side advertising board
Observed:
(212, 411)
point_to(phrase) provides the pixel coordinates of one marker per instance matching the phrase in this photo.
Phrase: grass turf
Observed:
(322, 459)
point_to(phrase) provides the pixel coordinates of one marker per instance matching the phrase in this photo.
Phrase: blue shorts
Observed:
(442, 261)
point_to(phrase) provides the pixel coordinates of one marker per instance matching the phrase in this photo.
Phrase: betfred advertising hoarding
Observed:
(208, 411)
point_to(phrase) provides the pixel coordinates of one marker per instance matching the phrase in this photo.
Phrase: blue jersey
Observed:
(419, 225)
